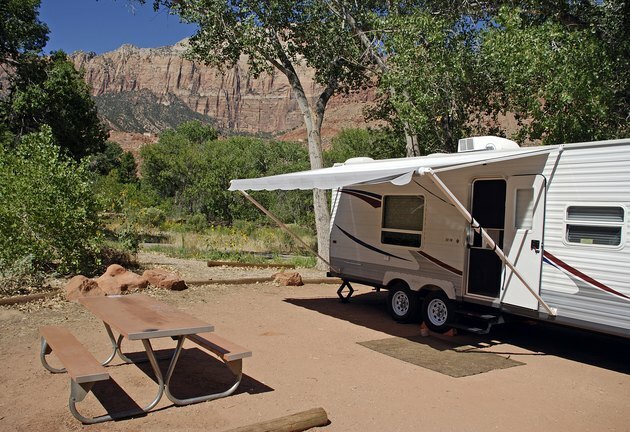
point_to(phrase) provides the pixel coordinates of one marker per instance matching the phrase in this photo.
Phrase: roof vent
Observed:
(358, 160)
(485, 143)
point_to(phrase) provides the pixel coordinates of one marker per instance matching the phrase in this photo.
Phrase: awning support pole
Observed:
(284, 227)
(497, 250)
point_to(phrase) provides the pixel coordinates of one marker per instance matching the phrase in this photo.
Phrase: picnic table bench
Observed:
(135, 317)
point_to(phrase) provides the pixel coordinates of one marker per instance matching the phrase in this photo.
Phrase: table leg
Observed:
(157, 371)
(116, 347)
(235, 367)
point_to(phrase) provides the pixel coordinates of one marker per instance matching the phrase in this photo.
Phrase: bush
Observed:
(152, 217)
(20, 277)
(197, 223)
(195, 174)
(129, 239)
(377, 144)
(47, 209)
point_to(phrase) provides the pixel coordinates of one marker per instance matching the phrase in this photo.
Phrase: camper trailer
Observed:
(539, 232)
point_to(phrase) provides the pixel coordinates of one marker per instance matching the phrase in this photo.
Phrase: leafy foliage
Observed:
(561, 68)
(20, 29)
(47, 209)
(113, 159)
(431, 80)
(561, 77)
(193, 169)
(377, 144)
(50, 91)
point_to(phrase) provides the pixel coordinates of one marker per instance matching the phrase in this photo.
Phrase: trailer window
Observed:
(403, 220)
(594, 225)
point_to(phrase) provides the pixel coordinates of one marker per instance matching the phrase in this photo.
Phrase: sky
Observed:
(104, 25)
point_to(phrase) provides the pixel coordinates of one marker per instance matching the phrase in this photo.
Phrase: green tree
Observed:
(450, 69)
(563, 76)
(20, 29)
(432, 80)
(195, 174)
(113, 159)
(49, 90)
(377, 144)
(281, 35)
(47, 207)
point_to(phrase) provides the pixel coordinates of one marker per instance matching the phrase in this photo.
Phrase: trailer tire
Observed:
(402, 303)
(437, 311)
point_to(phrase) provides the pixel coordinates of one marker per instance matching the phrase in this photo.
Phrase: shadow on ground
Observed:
(197, 374)
(370, 310)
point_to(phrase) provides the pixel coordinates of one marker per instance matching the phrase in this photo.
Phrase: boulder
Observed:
(80, 286)
(288, 279)
(164, 279)
(118, 280)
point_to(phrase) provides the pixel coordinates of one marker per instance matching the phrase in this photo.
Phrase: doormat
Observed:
(440, 356)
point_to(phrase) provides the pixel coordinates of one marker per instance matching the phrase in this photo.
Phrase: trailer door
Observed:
(523, 241)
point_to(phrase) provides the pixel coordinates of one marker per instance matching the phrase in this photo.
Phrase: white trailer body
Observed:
(560, 214)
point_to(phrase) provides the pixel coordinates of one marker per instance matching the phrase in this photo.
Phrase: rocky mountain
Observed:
(149, 89)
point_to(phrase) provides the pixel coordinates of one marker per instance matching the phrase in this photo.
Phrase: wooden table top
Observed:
(137, 316)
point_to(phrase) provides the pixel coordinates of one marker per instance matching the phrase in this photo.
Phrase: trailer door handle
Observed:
(535, 246)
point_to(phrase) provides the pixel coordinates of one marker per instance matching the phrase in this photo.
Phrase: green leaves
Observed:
(196, 173)
(20, 29)
(558, 80)
(50, 91)
(47, 210)
(560, 69)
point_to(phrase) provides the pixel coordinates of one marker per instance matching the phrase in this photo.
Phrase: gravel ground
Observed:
(307, 353)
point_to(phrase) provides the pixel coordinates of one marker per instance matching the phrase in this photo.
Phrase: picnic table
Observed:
(135, 317)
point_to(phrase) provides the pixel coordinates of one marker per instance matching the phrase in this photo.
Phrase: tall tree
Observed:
(49, 90)
(281, 35)
(563, 68)
(20, 29)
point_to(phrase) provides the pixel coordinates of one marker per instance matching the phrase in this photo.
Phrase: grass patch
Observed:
(232, 256)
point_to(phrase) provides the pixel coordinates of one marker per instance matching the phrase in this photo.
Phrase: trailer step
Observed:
(478, 315)
(474, 330)
(477, 321)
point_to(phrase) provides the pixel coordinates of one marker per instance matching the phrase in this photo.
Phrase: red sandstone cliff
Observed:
(233, 98)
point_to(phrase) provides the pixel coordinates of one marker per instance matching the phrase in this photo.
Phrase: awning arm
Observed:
(460, 207)
(286, 228)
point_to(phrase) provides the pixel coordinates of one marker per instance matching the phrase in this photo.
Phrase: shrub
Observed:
(129, 239)
(377, 144)
(20, 277)
(152, 217)
(47, 209)
(197, 223)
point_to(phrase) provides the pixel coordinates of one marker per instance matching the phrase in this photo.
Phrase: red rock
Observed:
(288, 279)
(164, 279)
(118, 280)
(80, 286)
(165, 73)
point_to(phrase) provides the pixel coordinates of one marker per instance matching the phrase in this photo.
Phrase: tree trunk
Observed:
(411, 146)
(320, 202)
(313, 119)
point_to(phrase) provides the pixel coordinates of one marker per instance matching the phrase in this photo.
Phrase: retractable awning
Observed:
(396, 171)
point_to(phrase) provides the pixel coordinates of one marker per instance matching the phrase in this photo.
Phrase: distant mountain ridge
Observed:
(150, 89)
(143, 111)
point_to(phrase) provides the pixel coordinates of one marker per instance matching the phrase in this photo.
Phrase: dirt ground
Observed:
(306, 355)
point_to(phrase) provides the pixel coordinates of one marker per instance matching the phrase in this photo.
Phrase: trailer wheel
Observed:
(437, 311)
(403, 303)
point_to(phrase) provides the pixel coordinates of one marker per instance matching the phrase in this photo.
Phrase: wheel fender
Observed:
(417, 282)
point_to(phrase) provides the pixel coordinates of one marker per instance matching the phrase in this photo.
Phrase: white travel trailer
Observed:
(540, 232)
